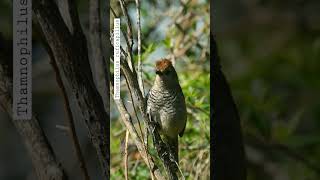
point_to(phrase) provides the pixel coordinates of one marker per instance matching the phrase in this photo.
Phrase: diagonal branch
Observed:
(70, 122)
(71, 55)
(40, 151)
(126, 118)
(126, 155)
(74, 16)
(162, 150)
(129, 35)
(69, 119)
(140, 80)
(95, 40)
(123, 54)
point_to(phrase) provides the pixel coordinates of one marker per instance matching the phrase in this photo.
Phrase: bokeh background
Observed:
(179, 30)
(270, 52)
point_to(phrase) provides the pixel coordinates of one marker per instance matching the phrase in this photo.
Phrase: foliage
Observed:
(272, 66)
(160, 38)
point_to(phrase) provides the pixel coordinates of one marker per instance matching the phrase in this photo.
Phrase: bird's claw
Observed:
(165, 153)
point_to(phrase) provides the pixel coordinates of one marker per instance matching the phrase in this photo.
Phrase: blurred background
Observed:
(270, 52)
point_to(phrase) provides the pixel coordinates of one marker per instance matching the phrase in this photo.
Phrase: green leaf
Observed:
(167, 42)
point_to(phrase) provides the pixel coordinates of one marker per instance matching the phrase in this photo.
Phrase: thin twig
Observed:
(180, 171)
(37, 144)
(129, 52)
(71, 54)
(74, 16)
(135, 111)
(70, 119)
(140, 80)
(123, 52)
(132, 81)
(131, 96)
(128, 35)
(129, 40)
(138, 120)
(126, 155)
(95, 41)
(126, 118)
(163, 152)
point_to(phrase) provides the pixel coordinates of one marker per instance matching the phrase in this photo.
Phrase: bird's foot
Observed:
(164, 154)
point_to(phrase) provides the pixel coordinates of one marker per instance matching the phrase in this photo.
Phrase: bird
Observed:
(166, 105)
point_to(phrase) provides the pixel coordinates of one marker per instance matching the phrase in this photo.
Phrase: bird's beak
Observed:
(158, 72)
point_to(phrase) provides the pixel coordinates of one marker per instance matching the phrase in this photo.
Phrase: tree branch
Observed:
(40, 151)
(126, 155)
(162, 150)
(96, 51)
(129, 35)
(133, 85)
(140, 80)
(126, 118)
(70, 119)
(71, 55)
(74, 16)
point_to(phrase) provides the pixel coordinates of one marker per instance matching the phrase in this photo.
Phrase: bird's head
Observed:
(166, 74)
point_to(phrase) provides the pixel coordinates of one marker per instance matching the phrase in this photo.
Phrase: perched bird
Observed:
(166, 105)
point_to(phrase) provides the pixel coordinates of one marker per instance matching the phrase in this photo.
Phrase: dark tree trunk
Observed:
(228, 149)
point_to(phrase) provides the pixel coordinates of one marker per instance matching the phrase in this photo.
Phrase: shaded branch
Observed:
(129, 35)
(133, 85)
(39, 149)
(126, 155)
(71, 55)
(74, 16)
(163, 151)
(95, 40)
(126, 118)
(69, 119)
(161, 148)
(140, 80)
(129, 55)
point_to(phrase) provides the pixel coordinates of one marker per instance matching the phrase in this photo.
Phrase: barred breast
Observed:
(168, 109)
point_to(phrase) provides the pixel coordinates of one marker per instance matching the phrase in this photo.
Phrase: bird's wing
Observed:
(181, 133)
(153, 115)
(185, 109)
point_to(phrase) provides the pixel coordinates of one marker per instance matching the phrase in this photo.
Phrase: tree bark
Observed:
(228, 150)
(39, 149)
(71, 54)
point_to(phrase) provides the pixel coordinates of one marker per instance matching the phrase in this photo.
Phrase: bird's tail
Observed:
(174, 147)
